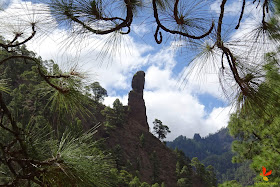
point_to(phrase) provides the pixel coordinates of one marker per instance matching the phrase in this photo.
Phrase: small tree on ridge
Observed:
(160, 129)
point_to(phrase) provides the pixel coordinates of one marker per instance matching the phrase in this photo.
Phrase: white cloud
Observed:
(233, 8)
(178, 109)
(230, 9)
(217, 119)
(140, 29)
(86, 54)
(108, 101)
(157, 78)
(202, 77)
(115, 73)
(183, 114)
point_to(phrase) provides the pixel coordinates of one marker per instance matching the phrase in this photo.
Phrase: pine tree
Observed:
(257, 129)
(98, 91)
(160, 129)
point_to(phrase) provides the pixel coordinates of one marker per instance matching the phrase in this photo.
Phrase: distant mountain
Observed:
(214, 144)
(215, 150)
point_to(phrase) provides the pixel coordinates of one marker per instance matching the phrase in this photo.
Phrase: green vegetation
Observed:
(98, 92)
(115, 117)
(214, 144)
(160, 129)
(230, 184)
(193, 172)
(214, 151)
(256, 124)
(42, 137)
(257, 129)
(142, 140)
(155, 165)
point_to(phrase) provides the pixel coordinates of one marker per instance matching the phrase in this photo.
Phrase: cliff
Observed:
(136, 103)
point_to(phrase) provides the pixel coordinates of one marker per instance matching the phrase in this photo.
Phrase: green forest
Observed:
(56, 131)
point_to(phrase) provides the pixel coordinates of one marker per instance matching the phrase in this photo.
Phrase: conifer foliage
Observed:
(160, 129)
(256, 126)
(42, 141)
(257, 131)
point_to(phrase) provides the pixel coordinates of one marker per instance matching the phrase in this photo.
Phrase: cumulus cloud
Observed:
(183, 113)
(108, 101)
(180, 111)
(177, 108)
(233, 8)
(101, 57)
(202, 77)
(218, 118)
(140, 29)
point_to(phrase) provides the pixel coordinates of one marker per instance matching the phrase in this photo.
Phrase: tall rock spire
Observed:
(136, 103)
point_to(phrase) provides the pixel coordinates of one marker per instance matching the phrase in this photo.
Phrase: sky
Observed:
(194, 105)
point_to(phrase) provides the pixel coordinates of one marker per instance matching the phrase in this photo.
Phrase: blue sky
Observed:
(196, 105)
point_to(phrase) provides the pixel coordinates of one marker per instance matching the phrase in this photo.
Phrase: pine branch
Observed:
(125, 22)
(10, 45)
(159, 25)
(241, 14)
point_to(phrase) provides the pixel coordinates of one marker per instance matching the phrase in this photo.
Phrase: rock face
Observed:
(136, 103)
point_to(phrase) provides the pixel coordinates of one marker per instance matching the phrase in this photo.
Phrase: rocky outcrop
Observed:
(136, 103)
(146, 157)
